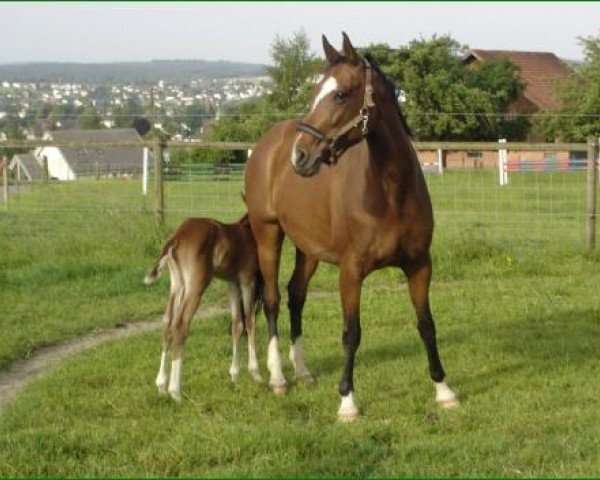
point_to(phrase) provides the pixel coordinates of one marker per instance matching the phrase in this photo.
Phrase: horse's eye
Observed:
(340, 96)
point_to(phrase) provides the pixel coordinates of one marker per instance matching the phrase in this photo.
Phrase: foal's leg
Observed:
(303, 271)
(249, 297)
(237, 327)
(419, 279)
(269, 238)
(175, 297)
(193, 293)
(350, 288)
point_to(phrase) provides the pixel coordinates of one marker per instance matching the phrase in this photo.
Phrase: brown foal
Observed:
(199, 250)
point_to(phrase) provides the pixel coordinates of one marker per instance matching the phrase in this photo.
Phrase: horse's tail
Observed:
(168, 251)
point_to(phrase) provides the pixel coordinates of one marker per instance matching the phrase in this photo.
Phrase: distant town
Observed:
(23, 99)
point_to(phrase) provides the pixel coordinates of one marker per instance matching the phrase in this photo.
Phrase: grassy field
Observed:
(513, 296)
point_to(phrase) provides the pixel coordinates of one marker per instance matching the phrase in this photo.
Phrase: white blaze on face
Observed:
(327, 87)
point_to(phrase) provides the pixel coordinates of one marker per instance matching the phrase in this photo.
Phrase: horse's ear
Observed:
(348, 50)
(331, 54)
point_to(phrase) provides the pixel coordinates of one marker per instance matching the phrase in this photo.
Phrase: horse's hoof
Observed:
(279, 389)
(256, 376)
(234, 376)
(347, 417)
(449, 403)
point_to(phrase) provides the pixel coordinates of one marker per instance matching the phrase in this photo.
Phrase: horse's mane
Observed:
(391, 88)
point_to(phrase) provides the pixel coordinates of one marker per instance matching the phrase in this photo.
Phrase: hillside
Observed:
(126, 72)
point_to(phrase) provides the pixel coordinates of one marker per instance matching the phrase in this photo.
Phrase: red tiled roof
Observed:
(540, 70)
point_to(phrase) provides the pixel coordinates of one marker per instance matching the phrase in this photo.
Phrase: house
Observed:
(72, 162)
(541, 72)
(26, 167)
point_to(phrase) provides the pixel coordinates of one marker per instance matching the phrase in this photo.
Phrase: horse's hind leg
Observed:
(303, 271)
(419, 278)
(175, 297)
(249, 298)
(269, 238)
(237, 327)
(181, 324)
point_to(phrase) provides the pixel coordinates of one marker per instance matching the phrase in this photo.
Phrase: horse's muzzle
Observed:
(306, 166)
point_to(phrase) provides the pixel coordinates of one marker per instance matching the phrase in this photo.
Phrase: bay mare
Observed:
(344, 184)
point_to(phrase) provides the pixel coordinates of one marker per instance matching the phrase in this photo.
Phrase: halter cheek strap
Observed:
(361, 118)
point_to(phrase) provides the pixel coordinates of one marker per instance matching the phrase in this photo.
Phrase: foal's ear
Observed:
(348, 50)
(331, 54)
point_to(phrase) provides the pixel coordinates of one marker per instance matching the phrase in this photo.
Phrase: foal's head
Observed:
(339, 111)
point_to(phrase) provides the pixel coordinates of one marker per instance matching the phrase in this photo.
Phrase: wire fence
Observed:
(539, 209)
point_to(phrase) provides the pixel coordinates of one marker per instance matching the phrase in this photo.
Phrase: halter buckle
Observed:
(365, 119)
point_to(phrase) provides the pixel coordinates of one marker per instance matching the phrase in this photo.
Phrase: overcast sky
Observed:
(104, 32)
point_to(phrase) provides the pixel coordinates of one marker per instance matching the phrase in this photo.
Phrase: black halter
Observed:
(361, 118)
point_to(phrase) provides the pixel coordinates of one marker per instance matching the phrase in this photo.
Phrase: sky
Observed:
(98, 32)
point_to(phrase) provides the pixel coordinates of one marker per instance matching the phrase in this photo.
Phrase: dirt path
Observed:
(22, 372)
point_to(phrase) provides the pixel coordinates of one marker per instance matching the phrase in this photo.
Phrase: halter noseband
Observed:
(361, 117)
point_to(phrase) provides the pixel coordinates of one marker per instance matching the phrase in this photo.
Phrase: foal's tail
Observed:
(168, 251)
(259, 292)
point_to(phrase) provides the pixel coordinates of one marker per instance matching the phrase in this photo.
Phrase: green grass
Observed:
(513, 297)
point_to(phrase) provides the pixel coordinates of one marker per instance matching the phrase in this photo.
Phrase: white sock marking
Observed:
(297, 359)
(348, 407)
(175, 381)
(443, 392)
(161, 378)
(274, 363)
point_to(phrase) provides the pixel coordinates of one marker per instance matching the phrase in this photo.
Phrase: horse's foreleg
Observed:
(303, 271)
(237, 327)
(419, 279)
(175, 296)
(350, 289)
(269, 239)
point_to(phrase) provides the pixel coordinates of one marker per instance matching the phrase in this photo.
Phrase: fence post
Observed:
(590, 231)
(502, 167)
(145, 172)
(158, 181)
(45, 170)
(4, 181)
(441, 155)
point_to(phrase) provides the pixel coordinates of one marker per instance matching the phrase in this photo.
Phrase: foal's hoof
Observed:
(256, 376)
(162, 388)
(307, 379)
(175, 396)
(449, 403)
(279, 389)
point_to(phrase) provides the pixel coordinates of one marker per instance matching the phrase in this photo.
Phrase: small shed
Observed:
(85, 159)
(26, 167)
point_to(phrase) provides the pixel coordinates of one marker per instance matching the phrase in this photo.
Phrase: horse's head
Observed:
(339, 111)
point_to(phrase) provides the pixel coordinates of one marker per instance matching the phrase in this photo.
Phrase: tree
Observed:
(446, 100)
(125, 114)
(12, 130)
(579, 116)
(293, 66)
(89, 119)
